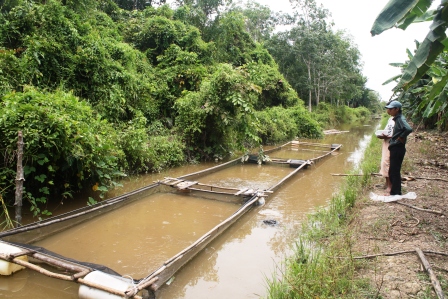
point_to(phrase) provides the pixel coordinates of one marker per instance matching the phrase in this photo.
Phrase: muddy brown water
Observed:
(138, 238)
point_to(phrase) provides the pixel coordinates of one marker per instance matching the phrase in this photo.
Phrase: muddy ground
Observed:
(397, 230)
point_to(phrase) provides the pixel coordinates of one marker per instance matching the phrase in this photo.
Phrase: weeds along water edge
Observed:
(322, 264)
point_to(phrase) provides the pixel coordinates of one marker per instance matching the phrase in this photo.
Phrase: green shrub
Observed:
(276, 125)
(275, 90)
(362, 113)
(325, 114)
(344, 114)
(67, 146)
(133, 139)
(329, 115)
(307, 127)
(51, 46)
(165, 152)
(220, 116)
(233, 43)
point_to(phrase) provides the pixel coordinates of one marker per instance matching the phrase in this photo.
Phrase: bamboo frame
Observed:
(338, 147)
(298, 143)
(334, 131)
(309, 150)
(75, 277)
(154, 280)
(227, 190)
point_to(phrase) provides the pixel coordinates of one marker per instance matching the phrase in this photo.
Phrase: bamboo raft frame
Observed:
(153, 281)
(181, 184)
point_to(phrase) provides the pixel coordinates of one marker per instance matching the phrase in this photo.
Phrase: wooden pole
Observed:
(409, 178)
(19, 181)
(346, 174)
(397, 253)
(420, 209)
(432, 276)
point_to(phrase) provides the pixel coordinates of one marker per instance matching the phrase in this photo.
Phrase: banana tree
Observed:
(402, 13)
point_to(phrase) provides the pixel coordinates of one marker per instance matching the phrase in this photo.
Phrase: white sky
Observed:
(356, 17)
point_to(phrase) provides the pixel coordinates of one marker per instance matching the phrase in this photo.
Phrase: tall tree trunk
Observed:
(309, 87)
(19, 181)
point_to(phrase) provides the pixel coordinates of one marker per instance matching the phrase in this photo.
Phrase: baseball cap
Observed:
(394, 104)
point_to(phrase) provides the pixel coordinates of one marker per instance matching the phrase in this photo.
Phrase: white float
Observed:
(7, 268)
(114, 282)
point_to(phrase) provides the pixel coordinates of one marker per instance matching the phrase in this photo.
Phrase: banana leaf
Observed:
(401, 13)
(428, 50)
(396, 11)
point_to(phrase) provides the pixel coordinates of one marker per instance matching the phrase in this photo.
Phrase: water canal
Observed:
(137, 238)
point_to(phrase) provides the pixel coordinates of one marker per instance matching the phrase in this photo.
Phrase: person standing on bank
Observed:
(385, 155)
(397, 146)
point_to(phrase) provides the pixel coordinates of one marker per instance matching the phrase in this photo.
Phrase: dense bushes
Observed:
(329, 115)
(51, 46)
(67, 146)
(278, 124)
(220, 116)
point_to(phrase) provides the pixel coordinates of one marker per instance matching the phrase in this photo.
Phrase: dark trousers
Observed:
(397, 153)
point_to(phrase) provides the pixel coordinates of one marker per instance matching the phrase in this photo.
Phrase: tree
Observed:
(311, 26)
(320, 64)
(260, 20)
(233, 43)
(208, 7)
(138, 4)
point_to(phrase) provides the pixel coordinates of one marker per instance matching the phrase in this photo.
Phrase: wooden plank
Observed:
(241, 191)
(313, 150)
(214, 186)
(209, 191)
(171, 181)
(278, 160)
(313, 144)
(185, 184)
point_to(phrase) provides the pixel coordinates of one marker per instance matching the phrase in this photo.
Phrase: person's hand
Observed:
(382, 136)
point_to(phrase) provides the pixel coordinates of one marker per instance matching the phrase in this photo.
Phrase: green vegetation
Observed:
(322, 265)
(328, 114)
(103, 89)
(423, 83)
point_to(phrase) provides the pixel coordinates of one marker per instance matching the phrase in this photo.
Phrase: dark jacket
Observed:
(401, 129)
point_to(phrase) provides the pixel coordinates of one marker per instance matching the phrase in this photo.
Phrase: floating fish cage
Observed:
(20, 249)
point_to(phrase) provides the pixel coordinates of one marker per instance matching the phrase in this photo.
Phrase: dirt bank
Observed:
(395, 228)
